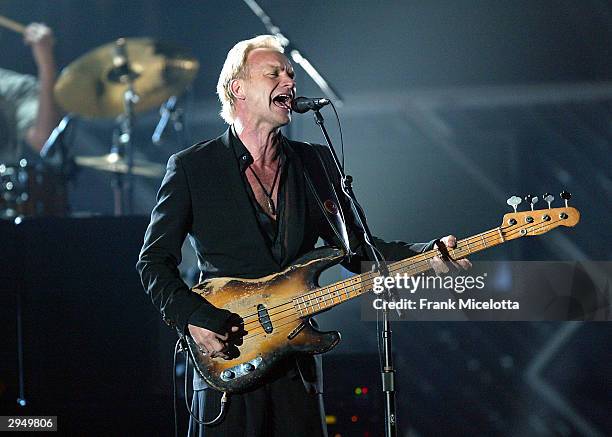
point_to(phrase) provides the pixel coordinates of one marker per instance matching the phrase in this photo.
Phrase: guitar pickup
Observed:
(264, 318)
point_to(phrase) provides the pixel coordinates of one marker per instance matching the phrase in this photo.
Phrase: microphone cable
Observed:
(340, 130)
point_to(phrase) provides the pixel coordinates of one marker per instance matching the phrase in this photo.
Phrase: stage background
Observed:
(449, 109)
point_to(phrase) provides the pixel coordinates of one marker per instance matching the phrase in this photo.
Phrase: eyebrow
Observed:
(289, 70)
(275, 65)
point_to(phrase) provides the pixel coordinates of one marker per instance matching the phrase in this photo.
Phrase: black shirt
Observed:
(274, 231)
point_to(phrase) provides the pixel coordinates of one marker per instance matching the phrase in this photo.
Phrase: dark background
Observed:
(450, 107)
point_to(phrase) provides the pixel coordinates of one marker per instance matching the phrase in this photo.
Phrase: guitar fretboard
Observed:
(323, 298)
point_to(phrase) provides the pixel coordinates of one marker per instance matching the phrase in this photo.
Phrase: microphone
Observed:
(165, 111)
(48, 149)
(305, 104)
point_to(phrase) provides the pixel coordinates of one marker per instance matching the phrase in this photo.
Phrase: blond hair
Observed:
(235, 68)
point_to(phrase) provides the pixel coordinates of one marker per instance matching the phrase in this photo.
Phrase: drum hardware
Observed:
(121, 79)
(28, 190)
(115, 163)
(170, 113)
(95, 84)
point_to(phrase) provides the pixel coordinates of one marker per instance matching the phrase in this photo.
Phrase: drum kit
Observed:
(117, 80)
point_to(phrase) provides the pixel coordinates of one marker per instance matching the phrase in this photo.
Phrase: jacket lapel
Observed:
(295, 206)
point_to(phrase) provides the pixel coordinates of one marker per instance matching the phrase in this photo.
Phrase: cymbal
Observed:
(115, 164)
(92, 85)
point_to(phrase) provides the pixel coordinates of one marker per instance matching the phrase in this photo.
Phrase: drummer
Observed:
(28, 112)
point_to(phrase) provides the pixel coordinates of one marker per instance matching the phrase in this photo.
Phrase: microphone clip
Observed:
(302, 105)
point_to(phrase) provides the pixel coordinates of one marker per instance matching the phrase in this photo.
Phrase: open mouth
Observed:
(282, 101)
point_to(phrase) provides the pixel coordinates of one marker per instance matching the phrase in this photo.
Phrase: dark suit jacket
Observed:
(203, 195)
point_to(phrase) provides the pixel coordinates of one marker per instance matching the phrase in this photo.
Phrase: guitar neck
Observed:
(323, 298)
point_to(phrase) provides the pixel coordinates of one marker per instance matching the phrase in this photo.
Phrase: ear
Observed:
(237, 89)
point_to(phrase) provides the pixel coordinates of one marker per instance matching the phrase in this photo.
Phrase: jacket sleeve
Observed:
(391, 250)
(171, 220)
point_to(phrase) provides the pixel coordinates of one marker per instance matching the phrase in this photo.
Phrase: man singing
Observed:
(244, 202)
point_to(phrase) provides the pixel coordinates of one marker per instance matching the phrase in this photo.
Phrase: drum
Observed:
(31, 191)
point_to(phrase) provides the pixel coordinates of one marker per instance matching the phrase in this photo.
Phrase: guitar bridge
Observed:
(241, 369)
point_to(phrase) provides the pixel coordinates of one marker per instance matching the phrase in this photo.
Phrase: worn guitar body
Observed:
(265, 343)
(276, 309)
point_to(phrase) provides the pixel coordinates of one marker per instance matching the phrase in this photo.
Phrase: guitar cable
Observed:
(224, 398)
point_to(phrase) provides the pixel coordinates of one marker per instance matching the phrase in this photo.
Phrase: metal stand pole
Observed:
(388, 371)
(122, 146)
(21, 400)
(295, 54)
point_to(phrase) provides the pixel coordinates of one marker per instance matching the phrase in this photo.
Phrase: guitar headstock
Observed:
(536, 222)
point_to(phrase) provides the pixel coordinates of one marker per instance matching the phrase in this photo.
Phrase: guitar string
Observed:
(428, 256)
(414, 260)
(368, 277)
(259, 330)
(413, 267)
(325, 299)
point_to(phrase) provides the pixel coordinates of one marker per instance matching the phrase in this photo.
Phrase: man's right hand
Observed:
(40, 38)
(212, 343)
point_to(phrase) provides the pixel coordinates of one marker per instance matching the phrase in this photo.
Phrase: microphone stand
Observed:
(167, 113)
(130, 98)
(54, 153)
(55, 140)
(295, 54)
(388, 371)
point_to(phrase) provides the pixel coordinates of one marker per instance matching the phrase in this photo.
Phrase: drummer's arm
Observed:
(40, 38)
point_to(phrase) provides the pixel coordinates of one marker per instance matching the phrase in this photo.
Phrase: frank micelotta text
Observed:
(446, 305)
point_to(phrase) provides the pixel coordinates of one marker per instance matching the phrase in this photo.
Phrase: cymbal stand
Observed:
(122, 144)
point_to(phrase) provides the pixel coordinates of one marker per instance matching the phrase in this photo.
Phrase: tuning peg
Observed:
(548, 198)
(565, 196)
(531, 200)
(514, 201)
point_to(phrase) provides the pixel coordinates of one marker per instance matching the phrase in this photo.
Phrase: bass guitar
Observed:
(276, 309)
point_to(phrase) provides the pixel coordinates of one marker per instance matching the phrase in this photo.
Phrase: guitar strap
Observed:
(320, 184)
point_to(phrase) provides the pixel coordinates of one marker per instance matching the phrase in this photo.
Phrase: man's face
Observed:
(268, 88)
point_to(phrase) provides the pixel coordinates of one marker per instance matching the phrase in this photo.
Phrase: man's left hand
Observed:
(441, 266)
